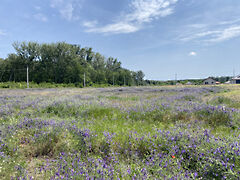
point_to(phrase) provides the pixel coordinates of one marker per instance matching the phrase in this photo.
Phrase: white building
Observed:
(236, 80)
(189, 83)
(209, 81)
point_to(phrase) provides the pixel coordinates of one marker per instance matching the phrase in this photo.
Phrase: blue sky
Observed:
(190, 38)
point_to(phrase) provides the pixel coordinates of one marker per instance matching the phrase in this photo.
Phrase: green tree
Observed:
(64, 63)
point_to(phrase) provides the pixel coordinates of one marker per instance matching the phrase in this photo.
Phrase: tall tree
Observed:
(64, 63)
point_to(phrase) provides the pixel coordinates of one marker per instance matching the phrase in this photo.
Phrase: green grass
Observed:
(133, 128)
(227, 101)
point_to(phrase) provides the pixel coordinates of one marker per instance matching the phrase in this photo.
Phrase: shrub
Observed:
(214, 117)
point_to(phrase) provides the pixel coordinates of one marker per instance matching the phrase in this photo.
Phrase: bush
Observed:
(214, 117)
(62, 110)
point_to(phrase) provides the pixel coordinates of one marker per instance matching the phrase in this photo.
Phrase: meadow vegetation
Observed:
(171, 132)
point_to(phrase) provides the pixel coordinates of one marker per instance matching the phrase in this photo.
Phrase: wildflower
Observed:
(173, 156)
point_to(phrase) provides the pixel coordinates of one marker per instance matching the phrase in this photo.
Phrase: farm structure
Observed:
(189, 83)
(209, 81)
(236, 80)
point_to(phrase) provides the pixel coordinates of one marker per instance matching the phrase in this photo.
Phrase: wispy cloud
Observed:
(212, 33)
(116, 28)
(142, 11)
(2, 33)
(225, 34)
(40, 17)
(230, 21)
(90, 24)
(66, 8)
(38, 8)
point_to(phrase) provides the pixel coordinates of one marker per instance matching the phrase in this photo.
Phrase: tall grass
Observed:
(148, 133)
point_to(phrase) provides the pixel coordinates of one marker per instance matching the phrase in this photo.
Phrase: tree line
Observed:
(65, 63)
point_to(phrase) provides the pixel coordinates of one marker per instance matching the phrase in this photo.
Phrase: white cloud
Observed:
(38, 8)
(226, 34)
(212, 33)
(41, 17)
(142, 11)
(121, 27)
(192, 53)
(197, 26)
(90, 24)
(2, 33)
(66, 8)
(229, 22)
(67, 12)
(199, 34)
(146, 11)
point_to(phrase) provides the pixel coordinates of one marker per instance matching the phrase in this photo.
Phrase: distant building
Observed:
(236, 80)
(209, 81)
(189, 83)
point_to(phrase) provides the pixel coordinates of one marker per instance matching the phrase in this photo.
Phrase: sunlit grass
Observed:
(126, 133)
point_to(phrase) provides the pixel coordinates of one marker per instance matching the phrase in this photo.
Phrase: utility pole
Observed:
(233, 72)
(84, 80)
(113, 79)
(176, 78)
(27, 79)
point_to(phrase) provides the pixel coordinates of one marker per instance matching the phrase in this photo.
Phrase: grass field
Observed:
(120, 133)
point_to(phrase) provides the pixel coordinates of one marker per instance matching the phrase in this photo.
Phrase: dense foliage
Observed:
(64, 63)
(221, 79)
(120, 133)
